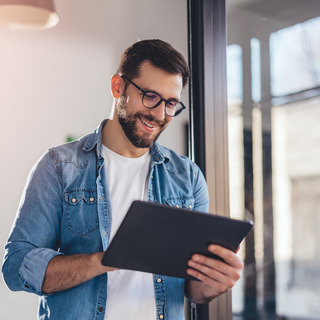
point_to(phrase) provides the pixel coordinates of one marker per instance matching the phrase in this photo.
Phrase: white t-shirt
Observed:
(130, 293)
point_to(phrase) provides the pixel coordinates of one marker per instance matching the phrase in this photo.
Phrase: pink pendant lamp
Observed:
(27, 14)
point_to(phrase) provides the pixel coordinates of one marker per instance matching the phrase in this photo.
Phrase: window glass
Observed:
(235, 132)
(234, 73)
(274, 152)
(255, 70)
(296, 194)
(295, 58)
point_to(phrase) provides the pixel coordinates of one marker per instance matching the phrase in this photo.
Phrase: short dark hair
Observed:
(159, 53)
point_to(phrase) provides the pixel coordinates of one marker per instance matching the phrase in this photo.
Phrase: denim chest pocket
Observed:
(181, 202)
(81, 211)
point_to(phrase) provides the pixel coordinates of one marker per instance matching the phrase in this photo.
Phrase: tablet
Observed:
(160, 239)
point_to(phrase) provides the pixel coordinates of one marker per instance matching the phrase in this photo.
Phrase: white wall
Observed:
(56, 82)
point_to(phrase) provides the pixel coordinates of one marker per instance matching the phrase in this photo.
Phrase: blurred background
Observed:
(54, 86)
(273, 62)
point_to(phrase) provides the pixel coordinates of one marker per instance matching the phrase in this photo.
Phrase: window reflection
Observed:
(255, 70)
(274, 151)
(296, 171)
(295, 58)
(234, 74)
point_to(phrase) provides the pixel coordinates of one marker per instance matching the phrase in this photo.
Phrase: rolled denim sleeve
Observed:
(34, 238)
(33, 268)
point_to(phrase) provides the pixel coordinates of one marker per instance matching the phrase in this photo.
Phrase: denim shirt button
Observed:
(177, 206)
(190, 206)
(27, 286)
(100, 309)
(161, 316)
(101, 198)
(91, 199)
(159, 280)
(74, 200)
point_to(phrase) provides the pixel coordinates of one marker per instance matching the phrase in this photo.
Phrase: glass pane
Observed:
(296, 177)
(255, 70)
(274, 153)
(234, 73)
(295, 58)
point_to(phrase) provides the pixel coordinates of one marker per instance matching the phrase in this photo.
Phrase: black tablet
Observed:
(161, 239)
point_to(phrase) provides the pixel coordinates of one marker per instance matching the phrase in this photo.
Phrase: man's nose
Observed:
(159, 111)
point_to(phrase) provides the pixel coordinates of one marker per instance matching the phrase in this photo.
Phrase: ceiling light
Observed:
(27, 14)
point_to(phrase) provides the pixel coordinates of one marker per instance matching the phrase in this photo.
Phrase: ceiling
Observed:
(288, 10)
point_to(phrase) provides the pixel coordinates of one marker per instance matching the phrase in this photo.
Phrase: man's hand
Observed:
(216, 276)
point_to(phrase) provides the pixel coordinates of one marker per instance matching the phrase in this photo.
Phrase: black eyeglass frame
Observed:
(159, 102)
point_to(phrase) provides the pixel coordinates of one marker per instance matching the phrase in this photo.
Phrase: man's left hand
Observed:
(216, 276)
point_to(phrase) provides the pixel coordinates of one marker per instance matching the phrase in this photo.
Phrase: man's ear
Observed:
(117, 86)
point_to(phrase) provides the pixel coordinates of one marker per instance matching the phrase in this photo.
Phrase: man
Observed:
(78, 194)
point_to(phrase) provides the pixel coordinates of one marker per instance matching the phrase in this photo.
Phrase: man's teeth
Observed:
(146, 123)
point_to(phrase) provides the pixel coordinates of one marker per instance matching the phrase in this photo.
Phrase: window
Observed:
(274, 152)
(295, 58)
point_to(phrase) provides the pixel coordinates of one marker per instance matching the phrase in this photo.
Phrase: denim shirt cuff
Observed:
(33, 269)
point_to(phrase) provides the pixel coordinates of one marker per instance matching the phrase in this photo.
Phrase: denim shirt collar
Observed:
(96, 139)
(158, 153)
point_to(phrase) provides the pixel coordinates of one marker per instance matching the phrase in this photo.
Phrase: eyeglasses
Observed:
(152, 99)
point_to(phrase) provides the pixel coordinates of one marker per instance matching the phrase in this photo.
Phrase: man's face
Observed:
(143, 126)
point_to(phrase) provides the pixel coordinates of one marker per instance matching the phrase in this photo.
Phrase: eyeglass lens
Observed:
(152, 99)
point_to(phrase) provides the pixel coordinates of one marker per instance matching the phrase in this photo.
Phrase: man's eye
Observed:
(151, 96)
(172, 103)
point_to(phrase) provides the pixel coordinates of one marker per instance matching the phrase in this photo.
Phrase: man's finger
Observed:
(227, 255)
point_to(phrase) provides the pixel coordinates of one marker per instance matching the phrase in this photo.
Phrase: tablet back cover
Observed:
(161, 239)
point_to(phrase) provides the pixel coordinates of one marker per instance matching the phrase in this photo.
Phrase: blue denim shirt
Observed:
(66, 209)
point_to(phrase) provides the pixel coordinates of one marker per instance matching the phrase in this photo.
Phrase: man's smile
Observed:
(150, 126)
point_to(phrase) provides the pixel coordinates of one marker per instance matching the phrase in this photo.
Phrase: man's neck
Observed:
(114, 138)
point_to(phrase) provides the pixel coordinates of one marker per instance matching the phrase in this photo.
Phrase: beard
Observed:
(128, 124)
